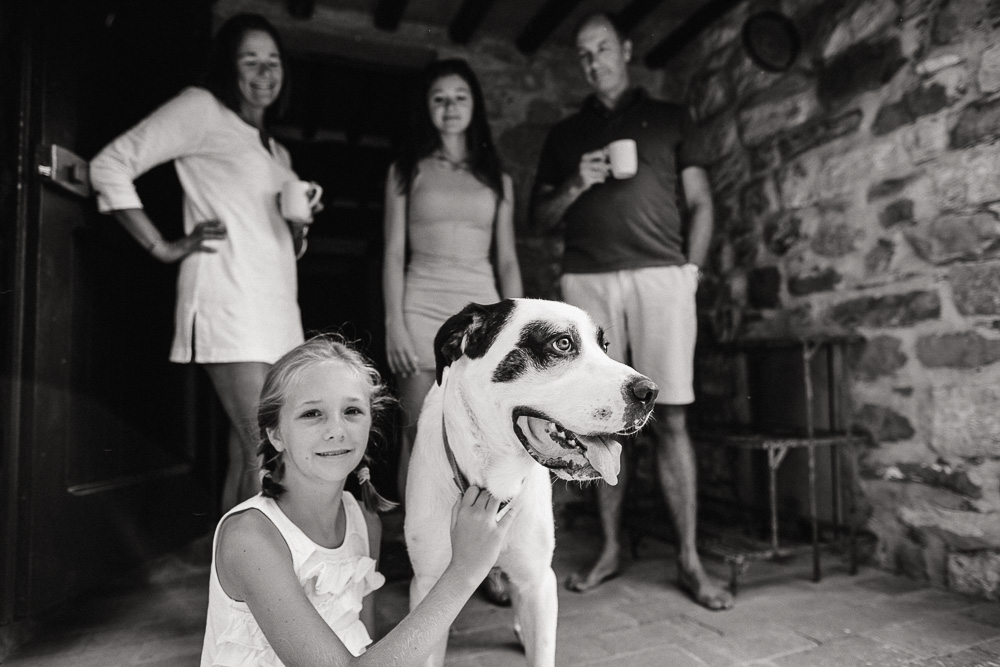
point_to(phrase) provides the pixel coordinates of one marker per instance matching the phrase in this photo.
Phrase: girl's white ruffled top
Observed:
(335, 581)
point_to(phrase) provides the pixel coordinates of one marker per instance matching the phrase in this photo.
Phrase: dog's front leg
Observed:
(536, 608)
(429, 555)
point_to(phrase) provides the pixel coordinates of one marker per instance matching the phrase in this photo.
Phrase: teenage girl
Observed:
(294, 567)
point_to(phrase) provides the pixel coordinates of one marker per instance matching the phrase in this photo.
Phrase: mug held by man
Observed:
(622, 158)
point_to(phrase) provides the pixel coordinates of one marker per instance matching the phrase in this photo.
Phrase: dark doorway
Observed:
(344, 124)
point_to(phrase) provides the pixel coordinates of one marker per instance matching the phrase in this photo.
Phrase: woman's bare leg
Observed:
(238, 386)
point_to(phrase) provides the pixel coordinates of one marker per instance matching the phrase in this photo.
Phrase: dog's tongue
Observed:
(605, 455)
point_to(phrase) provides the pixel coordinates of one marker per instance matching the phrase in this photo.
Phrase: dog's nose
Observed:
(645, 390)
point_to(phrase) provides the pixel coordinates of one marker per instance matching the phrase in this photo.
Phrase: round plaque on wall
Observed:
(771, 40)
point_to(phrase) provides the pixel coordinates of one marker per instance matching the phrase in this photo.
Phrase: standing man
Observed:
(625, 263)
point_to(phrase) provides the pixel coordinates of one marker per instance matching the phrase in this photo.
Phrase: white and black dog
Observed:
(524, 386)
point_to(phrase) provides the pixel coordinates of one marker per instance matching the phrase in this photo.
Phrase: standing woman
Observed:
(447, 202)
(237, 309)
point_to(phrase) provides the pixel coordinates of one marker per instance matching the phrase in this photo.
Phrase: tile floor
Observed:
(781, 619)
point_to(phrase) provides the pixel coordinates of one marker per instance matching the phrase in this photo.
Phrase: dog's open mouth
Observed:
(570, 455)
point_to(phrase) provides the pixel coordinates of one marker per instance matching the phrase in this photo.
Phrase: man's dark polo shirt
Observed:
(631, 223)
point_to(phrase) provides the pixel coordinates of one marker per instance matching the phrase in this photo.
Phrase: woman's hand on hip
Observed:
(403, 359)
(199, 240)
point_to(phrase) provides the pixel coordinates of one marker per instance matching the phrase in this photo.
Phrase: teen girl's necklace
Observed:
(454, 164)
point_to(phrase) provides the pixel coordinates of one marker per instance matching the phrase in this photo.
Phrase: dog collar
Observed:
(460, 481)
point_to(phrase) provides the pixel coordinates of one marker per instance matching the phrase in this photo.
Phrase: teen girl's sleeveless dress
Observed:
(450, 231)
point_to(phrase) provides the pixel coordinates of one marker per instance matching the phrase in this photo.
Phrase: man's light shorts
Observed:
(649, 313)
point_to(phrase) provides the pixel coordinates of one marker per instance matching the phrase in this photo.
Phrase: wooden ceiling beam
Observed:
(633, 14)
(687, 31)
(543, 24)
(468, 19)
(389, 13)
(301, 9)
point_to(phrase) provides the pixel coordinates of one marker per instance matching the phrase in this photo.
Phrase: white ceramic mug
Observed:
(623, 158)
(298, 199)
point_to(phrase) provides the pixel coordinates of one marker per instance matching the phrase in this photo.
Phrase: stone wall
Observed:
(860, 191)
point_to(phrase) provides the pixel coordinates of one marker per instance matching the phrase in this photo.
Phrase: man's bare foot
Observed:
(604, 569)
(704, 592)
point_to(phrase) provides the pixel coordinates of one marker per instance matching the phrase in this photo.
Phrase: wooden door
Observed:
(107, 447)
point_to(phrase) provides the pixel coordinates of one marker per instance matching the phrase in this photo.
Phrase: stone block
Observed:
(883, 424)
(977, 123)
(958, 529)
(878, 259)
(781, 233)
(709, 94)
(836, 237)
(920, 101)
(951, 186)
(889, 187)
(966, 349)
(899, 212)
(868, 19)
(936, 64)
(764, 287)
(890, 310)
(728, 173)
(844, 173)
(913, 8)
(957, 237)
(976, 288)
(817, 132)
(975, 573)
(889, 160)
(988, 75)
(882, 356)
(945, 26)
(775, 115)
(982, 173)
(965, 422)
(861, 67)
(926, 139)
(749, 79)
(940, 475)
(819, 281)
(914, 37)
(955, 81)
(764, 157)
(798, 182)
(716, 139)
(759, 200)
(746, 248)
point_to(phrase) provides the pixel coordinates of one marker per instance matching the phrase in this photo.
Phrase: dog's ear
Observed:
(469, 332)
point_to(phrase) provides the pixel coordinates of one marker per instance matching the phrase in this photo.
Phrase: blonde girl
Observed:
(294, 567)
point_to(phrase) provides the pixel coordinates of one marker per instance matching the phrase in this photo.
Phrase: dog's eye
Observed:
(563, 344)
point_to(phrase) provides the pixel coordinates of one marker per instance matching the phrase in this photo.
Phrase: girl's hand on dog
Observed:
(479, 528)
